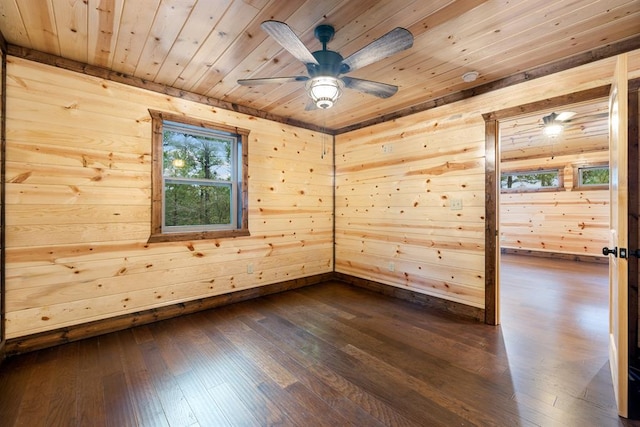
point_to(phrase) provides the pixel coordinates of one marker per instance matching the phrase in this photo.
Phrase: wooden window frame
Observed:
(577, 185)
(157, 187)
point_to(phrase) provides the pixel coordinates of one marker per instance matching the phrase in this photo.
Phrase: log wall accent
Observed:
(78, 204)
(568, 221)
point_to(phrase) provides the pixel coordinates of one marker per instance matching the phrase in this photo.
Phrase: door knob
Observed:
(606, 251)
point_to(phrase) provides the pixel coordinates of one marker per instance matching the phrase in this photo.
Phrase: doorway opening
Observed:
(493, 162)
(553, 221)
(517, 116)
(553, 198)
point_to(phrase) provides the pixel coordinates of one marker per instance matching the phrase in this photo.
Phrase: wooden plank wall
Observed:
(78, 204)
(78, 207)
(570, 221)
(395, 182)
(394, 219)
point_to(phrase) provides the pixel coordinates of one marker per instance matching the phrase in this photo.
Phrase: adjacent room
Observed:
(268, 212)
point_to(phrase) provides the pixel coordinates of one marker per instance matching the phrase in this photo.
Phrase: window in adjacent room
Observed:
(199, 179)
(537, 180)
(591, 177)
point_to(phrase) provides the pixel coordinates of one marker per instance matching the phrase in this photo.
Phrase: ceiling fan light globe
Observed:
(324, 91)
(553, 130)
(324, 103)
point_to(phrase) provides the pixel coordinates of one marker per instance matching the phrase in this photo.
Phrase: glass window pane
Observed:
(196, 204)
(197, 156)
(198, 172)
(594, 176)
(530, 180)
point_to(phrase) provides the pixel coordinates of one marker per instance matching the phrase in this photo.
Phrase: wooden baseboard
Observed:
(557, 255)
(455, 308)
(86, 330)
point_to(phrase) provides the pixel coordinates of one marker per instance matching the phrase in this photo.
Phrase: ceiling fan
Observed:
(553, 123)
(326, 68)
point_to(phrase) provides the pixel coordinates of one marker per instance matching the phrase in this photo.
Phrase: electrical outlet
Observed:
(250, 268)
(456, 204)
(391, 266)
(387, 148)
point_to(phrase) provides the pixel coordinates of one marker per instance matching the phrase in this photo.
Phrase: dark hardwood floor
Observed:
(333, 355)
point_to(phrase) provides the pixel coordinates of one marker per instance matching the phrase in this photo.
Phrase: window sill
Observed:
(531, 190)
(591, 187)
(198, 235)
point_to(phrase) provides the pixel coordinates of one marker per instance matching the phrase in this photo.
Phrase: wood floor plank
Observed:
(14, 377)
(217, 362)
(40, 387)
(206, 412)
(256, 351)
(231, 406)
(438, 341)
(297, 402)
(372, 405)
(277, 402)
(387, 388)
(62, 404)
(147, 404)
(90, 392)
(176, 407)
(336, 355)
(172, 353)
(118, 401)
(347, 335)
(260, 350)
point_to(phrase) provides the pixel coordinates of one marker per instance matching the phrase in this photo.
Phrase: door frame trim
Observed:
(633, 214)
(3, 150)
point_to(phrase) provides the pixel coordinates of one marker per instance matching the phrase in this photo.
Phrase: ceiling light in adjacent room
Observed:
(552, 126)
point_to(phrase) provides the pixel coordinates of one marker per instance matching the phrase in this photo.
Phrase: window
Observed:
(199, 182)
(531, 180)
(591, 177)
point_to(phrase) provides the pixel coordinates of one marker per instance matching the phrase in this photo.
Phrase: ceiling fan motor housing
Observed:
(324, 33)
(329, 64)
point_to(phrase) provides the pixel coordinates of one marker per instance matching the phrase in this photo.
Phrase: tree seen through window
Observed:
(530, 180)
(597, 175)
(198, 171)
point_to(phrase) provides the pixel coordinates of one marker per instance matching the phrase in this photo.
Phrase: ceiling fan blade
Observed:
(393, 42)
(310, 105)
(565, 115)
(270, 80)
(285, 36)
(381, 90)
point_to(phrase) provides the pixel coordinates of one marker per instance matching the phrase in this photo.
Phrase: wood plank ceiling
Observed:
(205, 46)
(586, 131)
